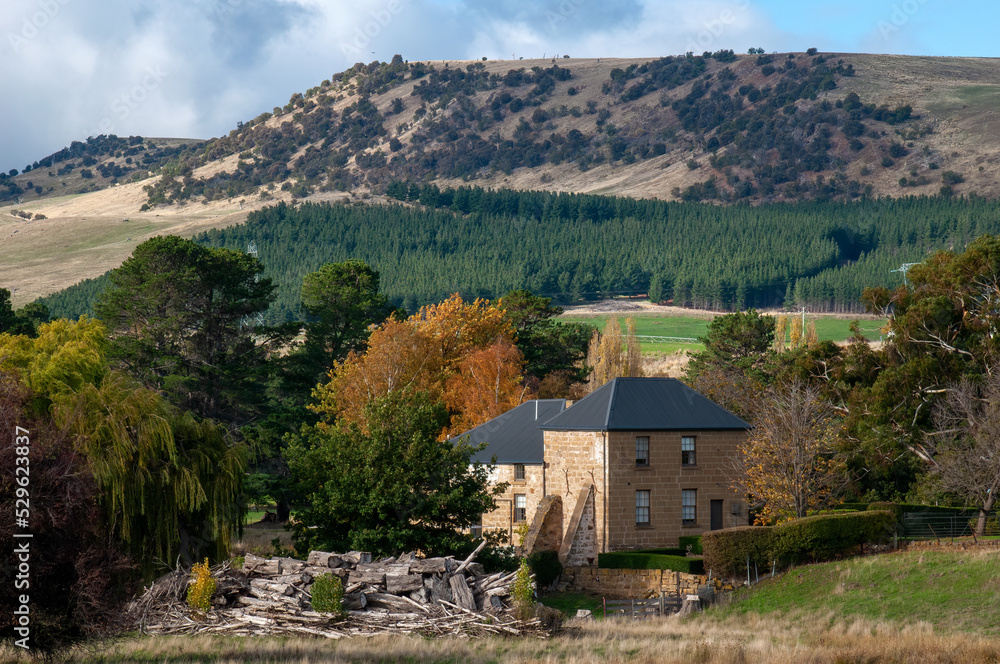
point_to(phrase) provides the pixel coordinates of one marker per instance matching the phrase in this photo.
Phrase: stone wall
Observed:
(664, 477)
(502, 518)
(546, 529)
(575, 461)
(635, 583)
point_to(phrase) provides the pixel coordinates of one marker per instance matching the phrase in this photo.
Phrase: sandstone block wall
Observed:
(665, 478)
(574, 461)
(502, 518)
(636, 583)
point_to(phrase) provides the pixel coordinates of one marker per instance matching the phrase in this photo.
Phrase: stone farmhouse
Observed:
(634, 465)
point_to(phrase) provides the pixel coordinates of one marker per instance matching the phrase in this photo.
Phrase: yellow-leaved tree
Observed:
(460, 353)
(612, 356)
(788, 465)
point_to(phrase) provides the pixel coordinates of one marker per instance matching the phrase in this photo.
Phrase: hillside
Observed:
(723, 128)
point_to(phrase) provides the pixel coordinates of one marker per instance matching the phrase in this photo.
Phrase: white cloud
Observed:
(193, 68)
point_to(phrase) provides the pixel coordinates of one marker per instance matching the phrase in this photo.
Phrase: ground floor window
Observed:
(520, 507)
(642, 508)
(689, 505)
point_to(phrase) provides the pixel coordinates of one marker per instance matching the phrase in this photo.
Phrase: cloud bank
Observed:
(193, 68)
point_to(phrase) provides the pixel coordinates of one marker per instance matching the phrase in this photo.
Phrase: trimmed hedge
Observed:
(818, 538)
(675, 551)
(814, 538)
(726, 551)
(640, 560)
(694, 541)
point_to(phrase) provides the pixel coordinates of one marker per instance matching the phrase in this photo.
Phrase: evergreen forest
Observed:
(574, 247)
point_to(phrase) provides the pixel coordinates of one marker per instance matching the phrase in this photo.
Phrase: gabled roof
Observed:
(644, 404)
(516, 436)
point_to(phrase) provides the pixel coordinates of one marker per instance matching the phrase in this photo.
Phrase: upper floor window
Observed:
(688, 457)
(518, 472)
(642, 450)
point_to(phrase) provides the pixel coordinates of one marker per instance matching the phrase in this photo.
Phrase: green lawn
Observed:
(953, 591)
(570, 601)
(828, 328)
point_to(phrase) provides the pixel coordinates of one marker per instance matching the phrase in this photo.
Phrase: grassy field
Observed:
(695, 326)
(905, 608)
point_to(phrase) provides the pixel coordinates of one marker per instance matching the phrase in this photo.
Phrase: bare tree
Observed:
(788, 463)
(966, 453)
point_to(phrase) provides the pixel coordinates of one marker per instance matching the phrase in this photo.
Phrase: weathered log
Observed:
(376, 577)
(440, 590)
(398, 584)
(423, 595)
(460, 591)
(472, 556)
(273, 587)
(323, 559)
(429, 566)
(355, 601)
(264, 600)
(341, 573)
(300, 578)
(290, 565)
(357, 557)
(389, 601)
(261, 566)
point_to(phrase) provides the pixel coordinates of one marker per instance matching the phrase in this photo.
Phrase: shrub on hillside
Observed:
(824, 537)
(814, 538)
(727, 551)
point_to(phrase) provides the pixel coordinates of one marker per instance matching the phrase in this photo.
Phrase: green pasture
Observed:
(692, 327)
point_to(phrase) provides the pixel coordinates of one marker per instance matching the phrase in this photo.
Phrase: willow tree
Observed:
(169, 484)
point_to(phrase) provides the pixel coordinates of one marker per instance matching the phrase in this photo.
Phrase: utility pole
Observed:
(904, 268)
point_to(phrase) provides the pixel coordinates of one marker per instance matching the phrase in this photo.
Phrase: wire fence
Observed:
(937, 525)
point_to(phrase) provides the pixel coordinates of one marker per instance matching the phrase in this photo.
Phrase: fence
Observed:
(938, 525)
(642, 608)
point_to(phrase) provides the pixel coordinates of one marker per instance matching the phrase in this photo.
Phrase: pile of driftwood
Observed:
(272, 596)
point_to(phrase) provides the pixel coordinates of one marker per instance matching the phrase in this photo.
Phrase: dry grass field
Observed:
(816, 639)
(910, 607)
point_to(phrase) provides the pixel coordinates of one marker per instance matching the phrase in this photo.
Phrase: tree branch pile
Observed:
(428, 596)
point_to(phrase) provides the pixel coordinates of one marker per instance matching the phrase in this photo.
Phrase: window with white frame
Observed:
(642, 450)
(688, 457)
(642, 508)
(689, 505)
(520, 507)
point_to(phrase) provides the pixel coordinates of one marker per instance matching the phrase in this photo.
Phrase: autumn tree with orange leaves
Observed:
(459, 353)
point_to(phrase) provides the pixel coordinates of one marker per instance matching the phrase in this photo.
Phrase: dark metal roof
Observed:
(516, 436)
(645, 404)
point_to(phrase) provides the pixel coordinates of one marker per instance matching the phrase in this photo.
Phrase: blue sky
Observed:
(193, 68)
